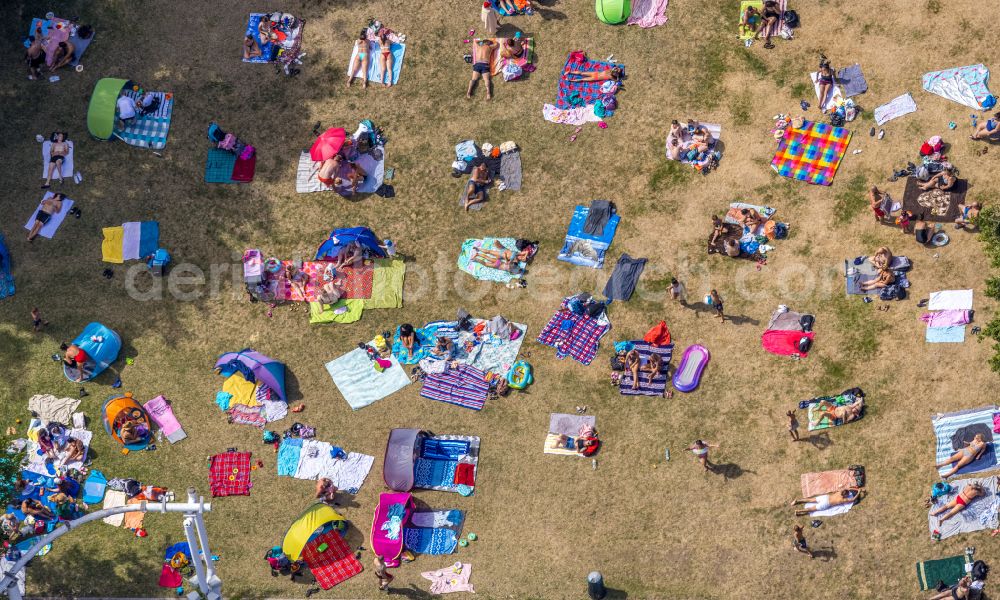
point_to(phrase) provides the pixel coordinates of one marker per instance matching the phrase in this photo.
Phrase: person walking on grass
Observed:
(799, 541)
(37, 322)
(793, 425)
(384, 578)
(700, 449)
(716, 303)
(676, 291)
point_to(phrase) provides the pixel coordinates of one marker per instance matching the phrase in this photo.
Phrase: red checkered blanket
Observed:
(357, 281)
(333, 565)
(229, 474)
(579, 337)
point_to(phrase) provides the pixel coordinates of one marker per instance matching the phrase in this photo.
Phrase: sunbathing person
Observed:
(942, 180)
(332, 292)
(74, 450)
(482, 50)
(824, 78)
(883, 278)
(844, 413)
(63, 55)
(512, 48)
(264, 31)
(882, 258)
(959, 591)
(385, 57)
(875, 201)
(825, 501)
(987, 129)
(585, 444)
(34, 56)
(770, 16)
(47, 446)
(632, 363)
(355, 175)
(751, 20)
(58, 152)
(966, 495)
(652, 366)
(750, 218)
(501, 258)
(33, 508)
(612, 74)
(408, 338)
(971, 453)
(251, 49)
(327, 173)
(50, 207)
(478, 182)
(360, 59)
(967, 215)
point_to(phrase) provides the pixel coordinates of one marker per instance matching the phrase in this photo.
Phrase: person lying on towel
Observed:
(50, 206)
(826, 501)
(478, 182)
(958, 504)
(838, 414)
(501, 258)
(972, 452)
(613, 74)
(585, 445)
(959, 591)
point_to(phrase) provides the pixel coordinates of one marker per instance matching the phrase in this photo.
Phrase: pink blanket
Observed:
(648, 13)
(160, 412)
(946, 318)
(785, 343)
(447, 580)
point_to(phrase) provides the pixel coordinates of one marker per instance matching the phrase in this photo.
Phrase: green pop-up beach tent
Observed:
(101, 114)
(613, 12)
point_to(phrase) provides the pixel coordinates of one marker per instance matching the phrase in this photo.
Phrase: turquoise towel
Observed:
(288, 457)
(222, 399)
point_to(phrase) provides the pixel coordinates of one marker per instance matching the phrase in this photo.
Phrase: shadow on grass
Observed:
(820, 441)
(729, 470)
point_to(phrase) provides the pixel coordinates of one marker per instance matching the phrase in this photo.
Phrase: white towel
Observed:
(113, 499)
(897, 107)
(274, 410)
(950, 300)
(49, 229)
(67, 166)
(131, 233)
(434, 519)
(349, 473)
(835, 94)
(313, 458)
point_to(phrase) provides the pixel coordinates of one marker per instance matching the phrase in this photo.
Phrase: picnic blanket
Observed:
(574, 335)
(219, 165)
(481, 271)
(229, 474)
(374, 65)
(315, 461)
(834, 95)
(579, 93)
(714, 129)
(49, 229)
(36, 463)
(966, 85)
(811, 153)
(67, 170)
(387, 284)
(437, 518)
(162, 414)
(357, 281)
(826, 482)
(851, 80)
(358, 381)
(446, 580)
(954, 430)
(895, 108)
(464, 386)
(373, 163)
(424, 540)
(980, 514)
(648, 13)
(934, 205)
(583, 249)
(444, 474)
(281, 50)
(659, 382)
(49, 408)
(335, 564)
(522, 8)
(342, 311)
(131, 241)
(49, 25)
(147, 131)
(855, 275)
(946, 570)
(950, 300)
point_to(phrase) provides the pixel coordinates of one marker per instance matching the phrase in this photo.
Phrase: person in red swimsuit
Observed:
(964, 497)
(75, 357)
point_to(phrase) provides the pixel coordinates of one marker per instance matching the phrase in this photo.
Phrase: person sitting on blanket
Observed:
(297, 279)
(353, 254)
(326, 492)
(360, 59)
(478, 182)
(731, 248)
(63, 55)
(968, 455)
(751, 20)
(718, 229)
(443, 348)
(33, 508)
(943, 180)
(959, 591)
(34, 56)
(385, 57)
(251, 49)
(824, 79)
(652, 367)
(883, 278)
(76, 358)
(47, 446)
(355, 175)
(770, 15)
(73, 450)
(835, 412)
(10, 525)
(408, 338)
(327, 173)
(512, 48)
(66, 506)
(882, 258)
(264, 31)
(58, 152)
(875, 201)
(482, 50)
(967, 214)
(501, 258)
(612, 74)
(632, 363)
(986, 129)
(826, 501)
(966, 495)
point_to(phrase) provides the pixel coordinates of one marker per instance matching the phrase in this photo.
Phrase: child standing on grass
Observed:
(700, 449)
(799, 541)
(716, 302)
(676, 290)
(36, 320)
(793, 425)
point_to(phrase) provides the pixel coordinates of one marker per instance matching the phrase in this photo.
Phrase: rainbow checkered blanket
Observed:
(811, 153)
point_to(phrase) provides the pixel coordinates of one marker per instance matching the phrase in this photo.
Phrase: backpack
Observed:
(836, 119)
(791, 19)
(980, 570)
(512, 71)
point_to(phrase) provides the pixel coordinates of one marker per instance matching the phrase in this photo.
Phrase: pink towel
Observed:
(996, 422)
(946, 318)
(446, 580)
(648, 13)
(160, 412)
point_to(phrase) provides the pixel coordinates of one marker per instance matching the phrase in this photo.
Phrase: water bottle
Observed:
(666, 454)
(593, 463)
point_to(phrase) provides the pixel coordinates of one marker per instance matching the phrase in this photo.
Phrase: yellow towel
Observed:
(111, 247)
(242, 390)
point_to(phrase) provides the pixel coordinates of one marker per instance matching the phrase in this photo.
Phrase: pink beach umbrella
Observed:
(328, 144)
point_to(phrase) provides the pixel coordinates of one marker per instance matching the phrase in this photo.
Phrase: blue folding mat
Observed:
(953, 430)
(80, 45)
(94, 487)
(6, 277)
(586, 250)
